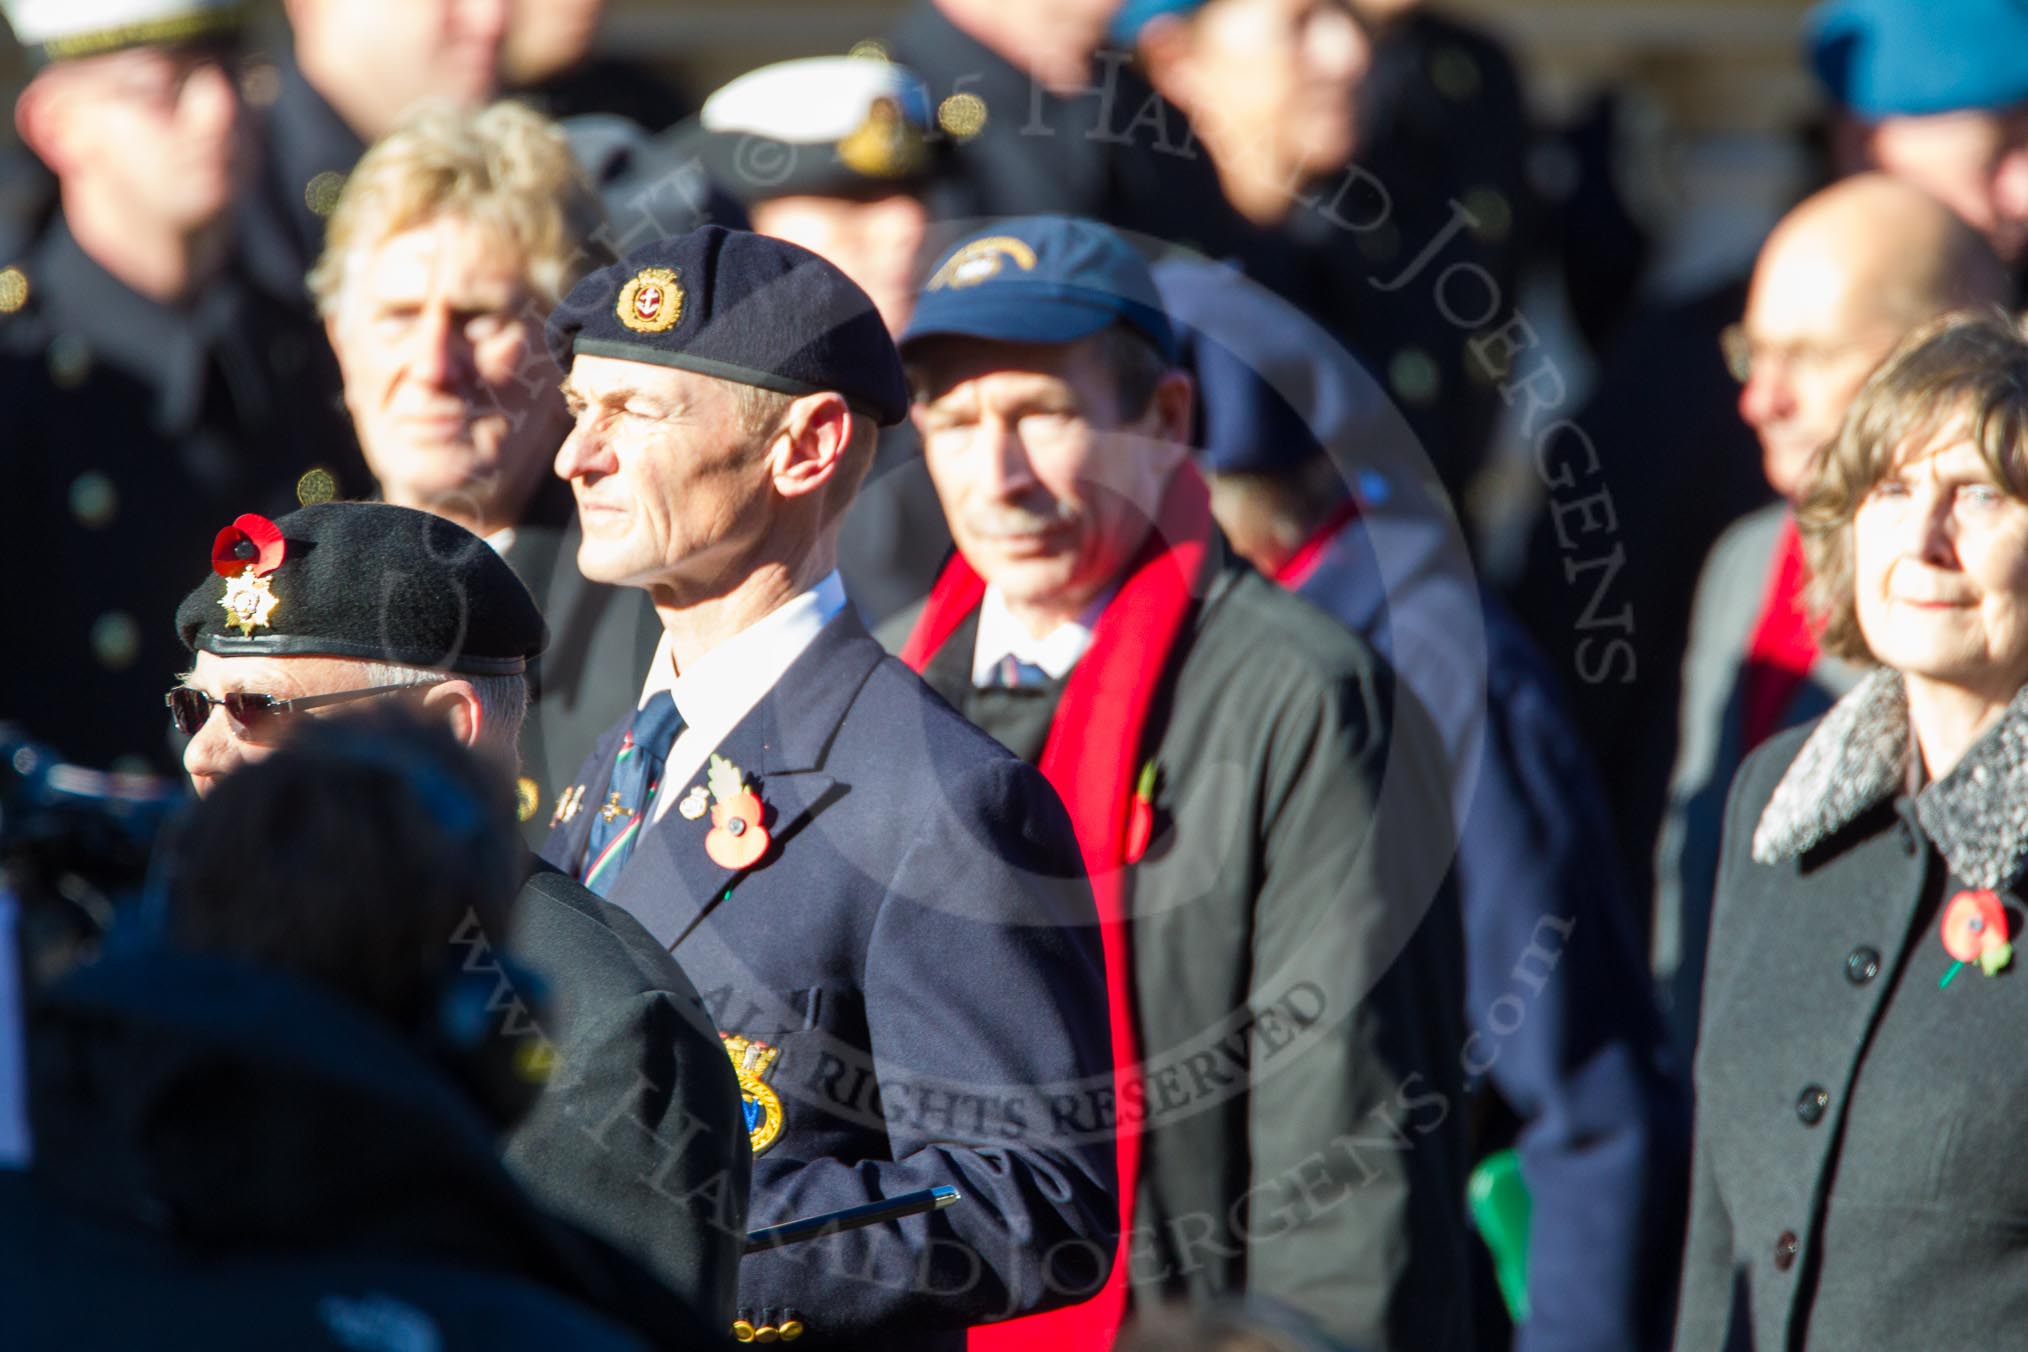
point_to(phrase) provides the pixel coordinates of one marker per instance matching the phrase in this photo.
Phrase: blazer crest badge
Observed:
(753, 1062)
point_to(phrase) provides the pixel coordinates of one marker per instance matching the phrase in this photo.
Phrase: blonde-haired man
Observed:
(452, 241)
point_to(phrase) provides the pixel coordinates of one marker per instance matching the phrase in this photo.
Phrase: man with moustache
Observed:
(1260, 806)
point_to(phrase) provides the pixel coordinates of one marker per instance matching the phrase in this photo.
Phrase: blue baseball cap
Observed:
(1134, 15)
(1040, 279)
(1910, 58)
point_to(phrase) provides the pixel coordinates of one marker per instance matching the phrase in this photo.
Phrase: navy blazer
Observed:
(916, 973)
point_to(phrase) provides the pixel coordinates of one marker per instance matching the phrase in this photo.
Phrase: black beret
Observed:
(363, 580)
(742, 307)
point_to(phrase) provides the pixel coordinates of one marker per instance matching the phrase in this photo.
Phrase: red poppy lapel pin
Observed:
(1141, 814)
(738, 836)
(244, 553)
(1975, 930)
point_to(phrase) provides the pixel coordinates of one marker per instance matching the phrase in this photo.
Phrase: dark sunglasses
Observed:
(256, 714)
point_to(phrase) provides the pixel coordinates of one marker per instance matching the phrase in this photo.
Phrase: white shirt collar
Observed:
(721, 687)
(502, 540)
(1002, 636)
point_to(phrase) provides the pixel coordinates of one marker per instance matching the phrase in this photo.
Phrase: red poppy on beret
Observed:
(249, 542)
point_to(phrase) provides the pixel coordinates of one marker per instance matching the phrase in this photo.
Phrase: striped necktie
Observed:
(637, 771)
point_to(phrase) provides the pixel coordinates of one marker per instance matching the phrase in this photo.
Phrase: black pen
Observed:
(851, 1218)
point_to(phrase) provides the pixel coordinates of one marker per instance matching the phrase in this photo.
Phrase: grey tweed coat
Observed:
(1859, 1179)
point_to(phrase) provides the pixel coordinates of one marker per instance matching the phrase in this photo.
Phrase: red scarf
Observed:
(1298, 567)
(1783, 647)
(1092, 759)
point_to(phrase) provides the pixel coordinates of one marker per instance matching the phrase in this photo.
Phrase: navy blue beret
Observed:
(1040, 279)
(741, 307)
(1272, 391)
(364, 580)
(1910, 58)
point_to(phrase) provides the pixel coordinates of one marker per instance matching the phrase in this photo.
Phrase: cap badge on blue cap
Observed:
(885, 145)
(651, 301)
(981, 259)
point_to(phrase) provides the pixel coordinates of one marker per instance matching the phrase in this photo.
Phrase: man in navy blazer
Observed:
(885, 911)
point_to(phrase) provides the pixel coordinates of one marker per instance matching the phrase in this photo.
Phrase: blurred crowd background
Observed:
(1620, 165)
(1607, 173)
(1692, 121)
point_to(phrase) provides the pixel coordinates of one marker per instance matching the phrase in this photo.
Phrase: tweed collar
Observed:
(1977, 815)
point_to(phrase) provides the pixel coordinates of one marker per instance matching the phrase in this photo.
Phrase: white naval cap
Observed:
(829, 126)
(57, 30)
(818, 99)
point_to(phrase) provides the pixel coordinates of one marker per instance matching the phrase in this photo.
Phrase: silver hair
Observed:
(503, 700)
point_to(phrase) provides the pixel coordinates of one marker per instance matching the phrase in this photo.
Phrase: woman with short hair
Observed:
(1861, 1075)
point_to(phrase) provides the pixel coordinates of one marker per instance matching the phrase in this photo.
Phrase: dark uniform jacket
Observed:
(1856, 1177)
(1034, 150)
(640, 1136)
(913, 971)
(130, 433)
(307, 149)
(1561, 1028)
(229, 1158)
(1297, 972)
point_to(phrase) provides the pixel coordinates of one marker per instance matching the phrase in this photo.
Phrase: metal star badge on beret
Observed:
(244, 553)
(651, 301)
(362, 580)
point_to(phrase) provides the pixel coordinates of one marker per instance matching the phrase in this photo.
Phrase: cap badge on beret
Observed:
(244, 553)
(981, 259)
(651, 301)
(885, 145)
